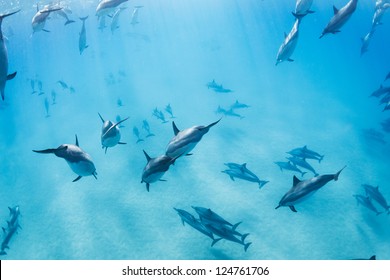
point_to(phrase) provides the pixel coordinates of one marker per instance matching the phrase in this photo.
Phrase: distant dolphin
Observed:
(366, 42)
(366, 202)
(193, 222)
(4, 76)
(238, 105)
(375, 194)
(242, 173)
(115, 19)
(136, 133)
(301, 189)
(302, 163)
(305, 153)
(340, 17)
(14, 214)
(380, 91)
(288, 46)
(83, 36)
(146, 127)
(111, 134)
(185, 140)
(302, 8)
(155, 169)
(134, 16)
(210, 215)
(39, 20)
(9, 233)
(288, 166)
(79, 161)
(106, 7)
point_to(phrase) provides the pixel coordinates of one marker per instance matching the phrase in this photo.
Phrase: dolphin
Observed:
(301, 189)
(4, 76)
(288, 166)
(185, 140)
(62, 84)
(9, 233)
(106, 7)
(302, 163)
(32, 83)
(210, 215)
(39, 20)
(242, 174)
(47, 106)
(115, 19)
(302, 8)
(221, 89)
(136, 133)
(288, 46)
(155, 168)
(134, 16)
(83, 36)
(238, 105)
(305, 153)
(375, 194)
(212, 85)
(378, 15)
(366, 42)
(159, 115)
(168, 109)
(53, 97)
(385, 99)
(228, 235)
(231, 113)
(79, 161)
(366, 202)
(340, 17)
(380, 91)
(14, 214)
(193, 222)
(146, 127)
(111, 134)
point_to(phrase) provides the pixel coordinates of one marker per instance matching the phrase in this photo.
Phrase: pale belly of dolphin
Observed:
(82, 168)
(177, 149)
(111, 141)
(154, 177)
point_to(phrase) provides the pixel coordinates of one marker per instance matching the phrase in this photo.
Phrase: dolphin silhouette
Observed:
(79, 161)
(111, 134)
(288, 46)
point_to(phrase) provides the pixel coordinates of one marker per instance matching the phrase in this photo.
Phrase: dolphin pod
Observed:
(211, 224)
(79, 161)
(301, 189)
(4, 76)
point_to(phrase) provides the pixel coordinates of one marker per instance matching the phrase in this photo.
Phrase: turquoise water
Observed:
(320, 100)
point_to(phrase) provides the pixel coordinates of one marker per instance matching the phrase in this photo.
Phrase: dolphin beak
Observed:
(214, 123)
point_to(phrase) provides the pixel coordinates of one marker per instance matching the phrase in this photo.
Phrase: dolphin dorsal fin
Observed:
(335, 10)
(243, 166)
(148, 158)
(305, 147)
(175, 129)
(296, 181)
(77, 141)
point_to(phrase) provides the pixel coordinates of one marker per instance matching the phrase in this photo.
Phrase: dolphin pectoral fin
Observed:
(45, 30)
(11, 76)
(139, 140)
(105, 151)
(310, 12)
(162, 180)
(293, 208)
(336, 31)
(94, 175)
(231, 177)
(188, 155)
(101, 117)
(122, 143)
(290, 60)
(147, 186)
(78, 178)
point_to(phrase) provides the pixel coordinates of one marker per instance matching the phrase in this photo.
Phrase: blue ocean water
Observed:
(321, 99)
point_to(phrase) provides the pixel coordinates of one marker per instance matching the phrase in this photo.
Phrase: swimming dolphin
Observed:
(136, 133)
(375, 194)
(302, 8)
(39, 20)
(155, 168)
(115, 19)
(111, 134)
(4, 76)
(14, 214)
(210, 215)
(47, 105)
(238, 105)
(83, 36)
(242, 174)
(9, 233)
(366, 42)
(146, 127)
(387, 107)
(366, 202)
(106, 7)
(134, 16)
(168, 109)
(305, 153)
(302, 163)
(159, 115)
(378, 15)
(380, 91)
(288, 166)
(193, 222)
(62, 84)
(53, 97)
(288, 46)
(340, 17)
(79, 161)
(301, 189)
(185, 140)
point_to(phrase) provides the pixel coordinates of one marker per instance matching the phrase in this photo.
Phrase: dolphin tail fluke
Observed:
(139, 140)
(78, 178)
(336, 176)
(150, 135)
(69, 21)
(215, 241)
(262, 183)
(11, 76)
(244, 236)
(147, 186)
(247, 245)
(321, 158)
(122, 143)
(373, 258)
